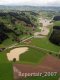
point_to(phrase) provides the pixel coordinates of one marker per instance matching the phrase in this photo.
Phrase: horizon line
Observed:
(30, 5)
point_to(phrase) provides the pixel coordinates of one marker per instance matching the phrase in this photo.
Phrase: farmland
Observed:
(30, 29)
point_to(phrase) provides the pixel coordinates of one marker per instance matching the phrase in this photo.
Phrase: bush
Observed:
(14, 59)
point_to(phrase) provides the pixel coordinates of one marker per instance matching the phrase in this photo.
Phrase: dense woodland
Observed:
(55, 36)
(14, 24)
(56, 18)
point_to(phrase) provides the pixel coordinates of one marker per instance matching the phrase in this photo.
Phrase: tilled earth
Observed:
(49, 64)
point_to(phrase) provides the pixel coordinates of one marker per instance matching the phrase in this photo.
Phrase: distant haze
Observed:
(31, 2)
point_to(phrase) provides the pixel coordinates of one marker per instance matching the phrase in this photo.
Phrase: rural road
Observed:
(44, 28)
(44, 31)
(18, 43)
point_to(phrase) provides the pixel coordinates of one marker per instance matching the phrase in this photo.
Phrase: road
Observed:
(14, 45)
(44, 28)
(44, 31)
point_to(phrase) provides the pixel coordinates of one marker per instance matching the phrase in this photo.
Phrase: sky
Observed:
(31, 2)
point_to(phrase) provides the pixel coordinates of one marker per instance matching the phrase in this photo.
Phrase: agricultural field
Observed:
(25, 45)
(46, 44)
(57, 23)
(6, 71)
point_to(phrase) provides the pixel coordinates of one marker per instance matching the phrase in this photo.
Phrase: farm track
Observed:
(17, 45)
(32, 46)
(44, 24)
(44, 28)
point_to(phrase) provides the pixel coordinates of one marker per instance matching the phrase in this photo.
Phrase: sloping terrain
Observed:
(14, 24)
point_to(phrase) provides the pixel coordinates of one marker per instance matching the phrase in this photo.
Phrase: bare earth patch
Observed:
(44, 29)
(49, 64)
(15, 53)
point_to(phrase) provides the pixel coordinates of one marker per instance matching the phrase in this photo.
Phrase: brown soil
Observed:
(49, 64)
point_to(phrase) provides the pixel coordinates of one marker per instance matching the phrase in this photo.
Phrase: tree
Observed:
(14, 59)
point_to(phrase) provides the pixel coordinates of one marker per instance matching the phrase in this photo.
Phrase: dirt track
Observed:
(44, 29)
(49, 64)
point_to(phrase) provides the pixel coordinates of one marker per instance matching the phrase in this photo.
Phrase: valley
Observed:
(27, 43)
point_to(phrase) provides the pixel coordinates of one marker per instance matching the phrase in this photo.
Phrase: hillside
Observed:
(14, 25)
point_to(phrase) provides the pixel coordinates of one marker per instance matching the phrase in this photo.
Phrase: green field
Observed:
(37, 48)
(45, 44)
(57, 23)
(3, 56)
(6, 71)
(32, 56)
